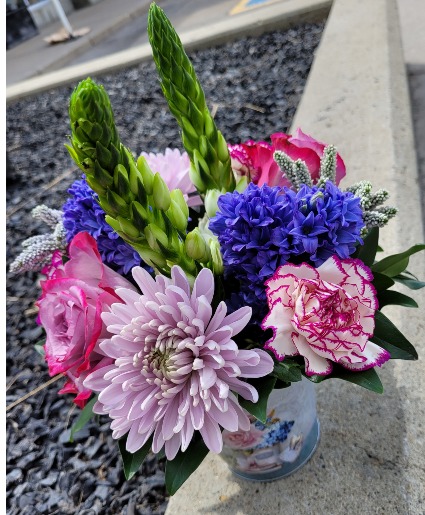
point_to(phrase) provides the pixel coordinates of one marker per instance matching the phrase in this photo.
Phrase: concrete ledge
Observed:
(276, 16)
(371, 458)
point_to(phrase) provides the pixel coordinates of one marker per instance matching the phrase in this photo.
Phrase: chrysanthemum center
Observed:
(159, 360)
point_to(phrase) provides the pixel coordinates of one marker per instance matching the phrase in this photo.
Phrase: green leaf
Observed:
(287, 372)
(397, 263)
(413, 284)
(316, 378)
(178, 470)
(264, 386)
(388, 333)
(39, 347)
(381, 282)
(133, 461)
(367, 251)
(391, 297)
(85, 415)
(395, 352)
(368, 379)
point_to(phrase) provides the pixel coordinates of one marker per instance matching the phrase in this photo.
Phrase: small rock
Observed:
(50, 480)
(102, 492)
(15, 476)
(28, 459)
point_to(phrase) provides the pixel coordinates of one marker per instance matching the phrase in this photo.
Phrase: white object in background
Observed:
(62, 16)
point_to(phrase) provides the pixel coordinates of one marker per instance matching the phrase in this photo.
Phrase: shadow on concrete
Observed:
(416, 78)
(360, 454)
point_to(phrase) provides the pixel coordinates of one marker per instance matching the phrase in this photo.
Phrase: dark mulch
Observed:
(254, 85)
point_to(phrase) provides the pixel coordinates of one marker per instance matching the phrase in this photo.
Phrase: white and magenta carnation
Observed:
(173, 166)
(72, 300)
(255, 158)
(176, 367)
(324, 314)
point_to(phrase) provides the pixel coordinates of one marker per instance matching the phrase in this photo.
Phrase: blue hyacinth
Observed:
(81, 212)
(264, 227)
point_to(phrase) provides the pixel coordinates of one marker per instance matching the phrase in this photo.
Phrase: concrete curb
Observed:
(276, 16)
(371, 457)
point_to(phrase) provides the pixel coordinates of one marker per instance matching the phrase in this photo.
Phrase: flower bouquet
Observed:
(183, 290)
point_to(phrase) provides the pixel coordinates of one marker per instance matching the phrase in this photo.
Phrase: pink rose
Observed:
(70, 308)
(242, 439)
(324, 314)
(255, 159)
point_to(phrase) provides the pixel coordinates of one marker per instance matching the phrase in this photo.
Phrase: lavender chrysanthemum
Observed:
(263, 228)
(177, 368)
(82, 213)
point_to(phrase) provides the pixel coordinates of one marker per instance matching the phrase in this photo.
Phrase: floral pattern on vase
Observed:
(283, 443)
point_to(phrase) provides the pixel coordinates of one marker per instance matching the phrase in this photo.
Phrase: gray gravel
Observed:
(254, 85)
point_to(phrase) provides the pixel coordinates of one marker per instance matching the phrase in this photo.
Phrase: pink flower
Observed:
(324, 314)
(256, 158)
(176, 367)
(51, 268)
(70, 306)
(242, 439)
(173, 167)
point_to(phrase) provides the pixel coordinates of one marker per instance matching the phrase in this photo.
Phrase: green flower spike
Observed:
(137, 203)
(207, 149)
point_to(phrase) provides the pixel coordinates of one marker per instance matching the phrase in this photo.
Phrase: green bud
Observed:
(72, 153)
(114, 224)
(122, 184)
(104, 204)
(118, 204)
(154, 235)
(216, 258)
(93, 130)
(96, 185)
(103, 155)
(132, 178)
(147, 175)
(211, 199)
(242, 184)
(195, 246)
(196, 178)
(178, 197)
(102, 176)
(210, 129)
(151, 257)
(128, 228)
(189, 130)
(139, 215)
(161, 193)
(222, 148)
(177, 217)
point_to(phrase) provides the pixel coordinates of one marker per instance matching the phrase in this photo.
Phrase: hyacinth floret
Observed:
(253, 228)
(82, 213)
(327, 221)
(176, 366)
